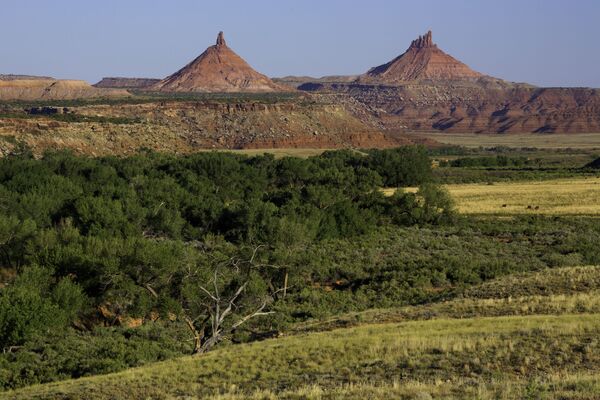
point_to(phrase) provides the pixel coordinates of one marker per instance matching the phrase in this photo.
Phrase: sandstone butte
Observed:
(422, 60)
(426, 90)
(218, 69)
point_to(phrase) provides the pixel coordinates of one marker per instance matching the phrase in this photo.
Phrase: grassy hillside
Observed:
(438, 354)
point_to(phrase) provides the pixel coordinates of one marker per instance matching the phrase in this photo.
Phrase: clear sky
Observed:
(544, 42)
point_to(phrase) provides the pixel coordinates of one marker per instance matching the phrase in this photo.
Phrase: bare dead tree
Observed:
(215, 309)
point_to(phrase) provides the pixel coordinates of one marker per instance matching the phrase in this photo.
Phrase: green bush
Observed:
(35, 304)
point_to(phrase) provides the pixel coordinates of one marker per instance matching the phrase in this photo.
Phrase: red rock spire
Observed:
(422, 42)
(217, 70)
(422, 60)
(221, 40)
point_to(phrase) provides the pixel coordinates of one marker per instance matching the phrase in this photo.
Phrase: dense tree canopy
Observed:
(127, 232)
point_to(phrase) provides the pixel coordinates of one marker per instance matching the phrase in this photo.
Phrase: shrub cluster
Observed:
(141, 235)
(89, 244)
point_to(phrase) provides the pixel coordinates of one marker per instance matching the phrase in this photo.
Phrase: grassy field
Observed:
(553, 197)
(419, 352)
(542, 141)
(572, 196)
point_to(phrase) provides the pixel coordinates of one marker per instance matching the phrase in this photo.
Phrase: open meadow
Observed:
(579, 196)
(516, 140)
(570, 196)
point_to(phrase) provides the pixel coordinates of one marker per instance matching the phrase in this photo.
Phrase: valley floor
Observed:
(552, 197)
(542, 141)
(572, 196)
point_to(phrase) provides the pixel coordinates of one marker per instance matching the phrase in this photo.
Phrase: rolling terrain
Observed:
(418, 231)
(19, 88)
(186, 124)
(540, 141)
(566, 196)
(433, 299)
(531, 337)
(423, 90)
(126, 83)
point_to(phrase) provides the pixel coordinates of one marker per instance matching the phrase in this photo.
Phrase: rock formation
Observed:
(422, 60)
(13, 77)
(475, 107)
(426, 90)
(52, 89)
(177, 126)
(218, 69)
(126, 83)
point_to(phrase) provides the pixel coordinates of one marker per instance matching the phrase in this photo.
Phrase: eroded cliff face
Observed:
(183, 127)
(477, 107)
(425, 90)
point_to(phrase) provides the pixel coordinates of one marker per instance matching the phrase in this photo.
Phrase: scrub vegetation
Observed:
(228, 276)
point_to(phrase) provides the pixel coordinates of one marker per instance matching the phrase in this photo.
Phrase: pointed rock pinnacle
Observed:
(422, 41)
(221, 40)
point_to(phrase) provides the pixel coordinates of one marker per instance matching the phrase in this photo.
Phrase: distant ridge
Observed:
(126, 83)
(12, 77)
(426, 90)
(52, 89)
(218, 69)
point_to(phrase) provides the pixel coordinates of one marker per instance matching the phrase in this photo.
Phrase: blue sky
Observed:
(544, 42)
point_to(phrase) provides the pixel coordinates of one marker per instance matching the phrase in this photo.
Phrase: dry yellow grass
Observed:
(572, 196)
(556, 197)
(542, 141)
(469, 348)
(449, 358)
